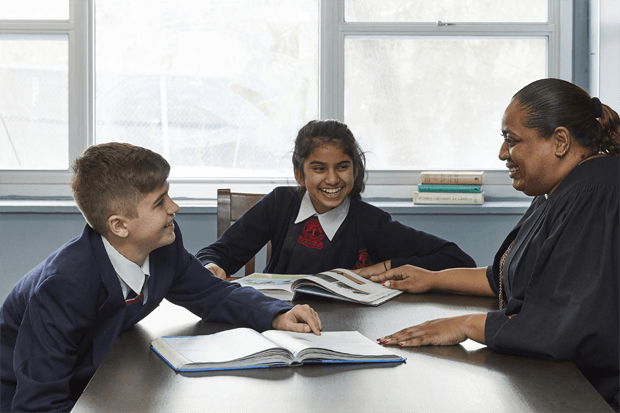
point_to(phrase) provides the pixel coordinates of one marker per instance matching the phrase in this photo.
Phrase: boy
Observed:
(60, 320)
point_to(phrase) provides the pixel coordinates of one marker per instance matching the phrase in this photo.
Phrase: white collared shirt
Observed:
(131, 276)
(330, 221)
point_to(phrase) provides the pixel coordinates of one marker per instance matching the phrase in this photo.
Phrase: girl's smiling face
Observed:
(328, 176)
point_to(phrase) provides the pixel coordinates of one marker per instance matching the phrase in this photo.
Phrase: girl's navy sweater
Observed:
(367, 236)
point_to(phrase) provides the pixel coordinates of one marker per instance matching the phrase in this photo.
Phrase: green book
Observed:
(449, 188)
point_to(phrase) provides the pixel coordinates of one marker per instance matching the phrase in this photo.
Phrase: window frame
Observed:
(79, 30)
(400, 183)
(390, 184)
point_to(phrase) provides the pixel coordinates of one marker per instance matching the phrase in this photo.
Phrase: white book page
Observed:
(263, 281)
(349, 284)
(221, 347)
(345, 342)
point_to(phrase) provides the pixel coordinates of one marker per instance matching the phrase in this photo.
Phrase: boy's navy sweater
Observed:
(367, 236)
(59, 321)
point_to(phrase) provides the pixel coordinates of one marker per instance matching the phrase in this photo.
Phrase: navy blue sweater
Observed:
(561, 278)
(367, 236)
(60, 320)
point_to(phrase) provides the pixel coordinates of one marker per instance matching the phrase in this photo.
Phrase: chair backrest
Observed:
(230, 207)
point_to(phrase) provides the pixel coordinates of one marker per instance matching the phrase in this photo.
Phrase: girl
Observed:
(323, 223)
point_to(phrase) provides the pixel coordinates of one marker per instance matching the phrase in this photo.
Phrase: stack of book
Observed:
(450, 187)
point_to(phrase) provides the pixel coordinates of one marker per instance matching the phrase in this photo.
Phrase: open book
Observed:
(338, 283)
(244, 348)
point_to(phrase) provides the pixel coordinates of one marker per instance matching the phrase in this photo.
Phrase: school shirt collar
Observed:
(130, 275)
(330, 221)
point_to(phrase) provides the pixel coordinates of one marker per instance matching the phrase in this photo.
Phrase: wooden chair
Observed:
(230, 207)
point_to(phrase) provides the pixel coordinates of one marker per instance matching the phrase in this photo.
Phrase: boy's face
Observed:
(153, 228)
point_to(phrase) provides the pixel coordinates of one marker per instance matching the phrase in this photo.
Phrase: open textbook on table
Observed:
(339, 283)
(244, 348)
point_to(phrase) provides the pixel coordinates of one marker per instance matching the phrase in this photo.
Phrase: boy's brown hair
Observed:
(112, 178)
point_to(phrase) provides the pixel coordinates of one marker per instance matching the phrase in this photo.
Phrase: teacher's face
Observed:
(530, 159)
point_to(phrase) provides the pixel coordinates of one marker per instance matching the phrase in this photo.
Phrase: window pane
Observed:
(34, 131)
(219, 87)
(435, 103)
(34, 9)
(446, 11)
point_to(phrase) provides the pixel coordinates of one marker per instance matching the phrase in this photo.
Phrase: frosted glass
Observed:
(435, 103)
(34, 9)
(34, 132)
(484, 11)
(218, 87)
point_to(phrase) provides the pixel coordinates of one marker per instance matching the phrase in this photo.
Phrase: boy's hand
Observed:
(216, 270)
(301, 319)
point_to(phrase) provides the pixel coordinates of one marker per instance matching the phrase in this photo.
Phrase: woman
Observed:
(323, 224)
(556, 274)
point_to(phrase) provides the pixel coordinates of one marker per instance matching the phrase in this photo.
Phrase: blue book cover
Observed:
(470, 189)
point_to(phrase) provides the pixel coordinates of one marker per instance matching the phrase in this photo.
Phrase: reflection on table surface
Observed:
(465, 377)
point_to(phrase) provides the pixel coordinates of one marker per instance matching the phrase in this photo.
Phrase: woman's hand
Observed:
(440, 332)
(407, 278)
(376, 269)
(216, 270)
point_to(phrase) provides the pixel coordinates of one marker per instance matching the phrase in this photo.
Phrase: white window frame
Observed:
(399, 184)
(381, 183)
(79, 29)
(605, 51)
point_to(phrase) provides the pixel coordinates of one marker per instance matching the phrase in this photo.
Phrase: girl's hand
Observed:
(216, 270)
(376, 269)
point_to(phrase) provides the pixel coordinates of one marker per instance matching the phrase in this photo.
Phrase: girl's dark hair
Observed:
(551, 103)
(330, 132)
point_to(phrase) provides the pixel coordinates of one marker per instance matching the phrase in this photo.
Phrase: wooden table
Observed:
(466, 377)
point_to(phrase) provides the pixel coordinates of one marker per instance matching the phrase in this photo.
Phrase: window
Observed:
(221, 87)
(35, 76)
(34, 83)
(435, 103)
(426, 82)
(44, 94)
(34, 9)
(217, 87)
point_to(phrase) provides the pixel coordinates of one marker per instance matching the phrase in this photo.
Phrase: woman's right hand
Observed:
(216, 270)
(407, 278)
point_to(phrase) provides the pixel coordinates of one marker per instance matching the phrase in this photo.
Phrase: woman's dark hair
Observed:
(551, 103)
(317, 133)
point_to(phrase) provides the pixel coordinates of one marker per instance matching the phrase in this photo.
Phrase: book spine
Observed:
(449, 188)
(451, 178)
(447, 198)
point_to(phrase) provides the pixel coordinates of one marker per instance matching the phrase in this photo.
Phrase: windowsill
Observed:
(197, 206)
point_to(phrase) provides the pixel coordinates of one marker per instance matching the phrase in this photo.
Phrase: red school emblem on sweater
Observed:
(312, 235)
(363, 260)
